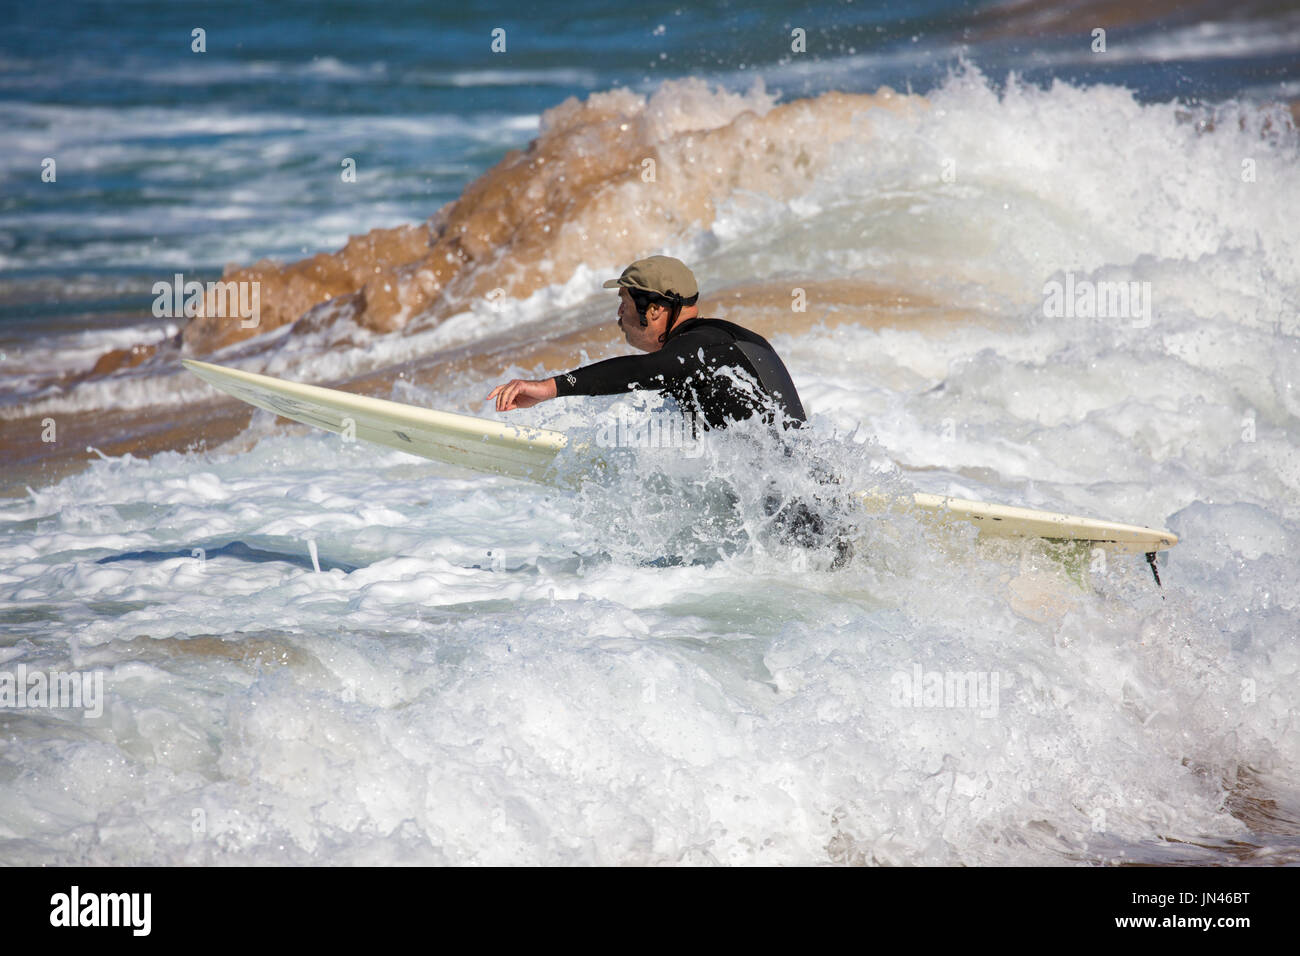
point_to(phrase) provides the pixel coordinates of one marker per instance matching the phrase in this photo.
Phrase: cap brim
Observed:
(613, 283)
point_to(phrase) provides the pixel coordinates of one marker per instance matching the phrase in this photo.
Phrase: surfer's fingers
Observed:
(506, 400)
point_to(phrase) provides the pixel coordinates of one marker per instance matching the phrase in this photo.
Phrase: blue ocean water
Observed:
(169, 158)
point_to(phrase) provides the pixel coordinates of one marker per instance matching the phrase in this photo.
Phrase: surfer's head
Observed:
(654, 294)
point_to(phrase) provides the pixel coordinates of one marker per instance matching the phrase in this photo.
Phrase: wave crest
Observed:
(607, 180)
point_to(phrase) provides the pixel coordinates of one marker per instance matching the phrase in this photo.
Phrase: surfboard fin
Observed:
(1151, 560)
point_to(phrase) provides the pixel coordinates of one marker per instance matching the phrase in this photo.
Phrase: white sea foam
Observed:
(505, 679)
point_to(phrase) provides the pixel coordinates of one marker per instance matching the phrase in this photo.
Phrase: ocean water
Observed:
(638, 670)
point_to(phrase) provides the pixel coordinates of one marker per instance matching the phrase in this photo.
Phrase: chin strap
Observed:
(678, 305)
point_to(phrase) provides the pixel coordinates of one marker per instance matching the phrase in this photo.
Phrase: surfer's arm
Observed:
(654, 370)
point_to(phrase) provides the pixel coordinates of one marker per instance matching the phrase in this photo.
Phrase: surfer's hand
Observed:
(522, 393)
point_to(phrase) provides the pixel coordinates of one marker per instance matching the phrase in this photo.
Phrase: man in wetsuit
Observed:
(717, 371)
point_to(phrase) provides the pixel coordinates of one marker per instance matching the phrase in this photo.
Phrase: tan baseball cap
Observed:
(662, 274)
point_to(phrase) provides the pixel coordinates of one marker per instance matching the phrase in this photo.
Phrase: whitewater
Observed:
(400, 662)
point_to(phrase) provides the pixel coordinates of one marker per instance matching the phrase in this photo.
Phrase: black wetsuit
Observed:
(719, 373)
(694, 367)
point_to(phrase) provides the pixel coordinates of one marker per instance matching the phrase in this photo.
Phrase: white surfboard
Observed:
(523, 452)
(474, 443)
(1008, 521)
